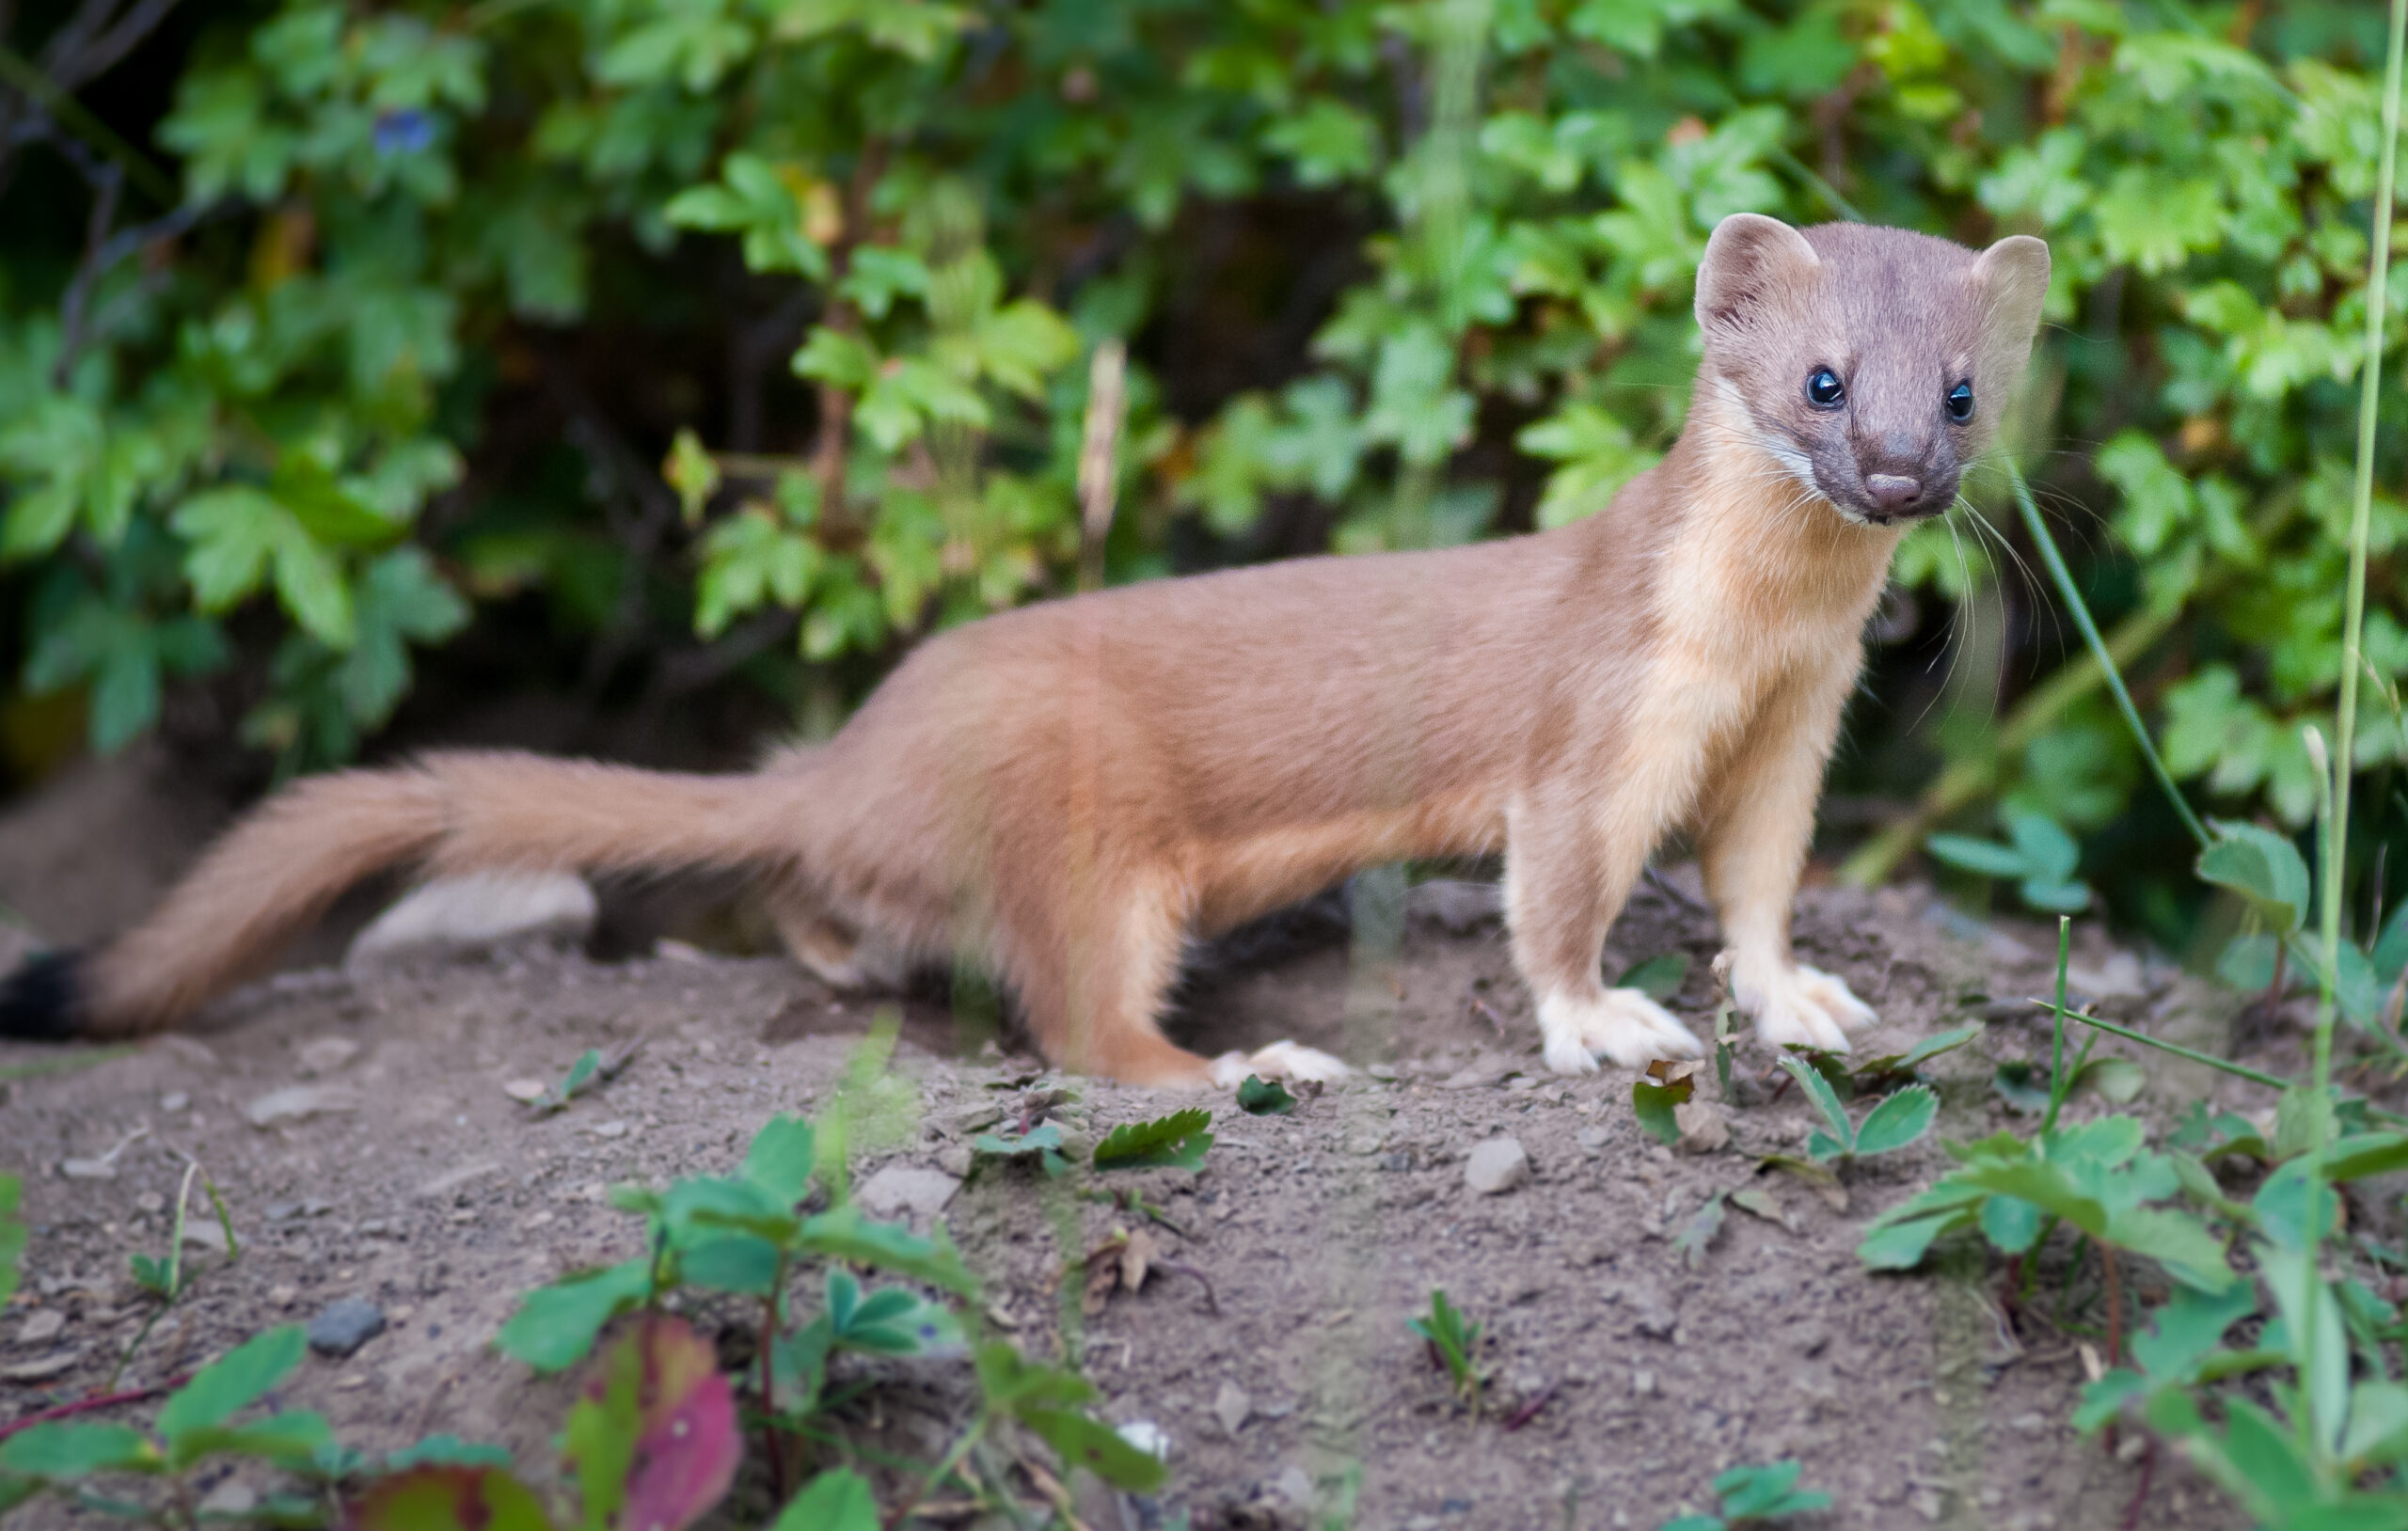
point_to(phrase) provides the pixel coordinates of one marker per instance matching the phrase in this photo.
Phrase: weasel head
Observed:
(1870, 364)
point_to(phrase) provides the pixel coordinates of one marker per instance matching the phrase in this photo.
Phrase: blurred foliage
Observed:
(1393, 274)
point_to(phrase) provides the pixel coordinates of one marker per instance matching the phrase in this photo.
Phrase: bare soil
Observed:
(1626, 1372)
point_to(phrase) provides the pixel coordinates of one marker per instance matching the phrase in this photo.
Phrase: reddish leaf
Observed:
(684, 1449)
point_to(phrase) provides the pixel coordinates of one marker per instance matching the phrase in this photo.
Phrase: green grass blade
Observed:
(2071, 593)
(2361, 497)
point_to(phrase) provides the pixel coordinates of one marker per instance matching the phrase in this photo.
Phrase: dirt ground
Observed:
(1914, 1401)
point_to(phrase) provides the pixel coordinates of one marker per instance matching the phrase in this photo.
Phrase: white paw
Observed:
(1279, 1061)
(1801, 1005)
(1625, 1025)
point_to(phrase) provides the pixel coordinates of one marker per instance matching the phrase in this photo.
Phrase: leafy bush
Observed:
(1393, 276)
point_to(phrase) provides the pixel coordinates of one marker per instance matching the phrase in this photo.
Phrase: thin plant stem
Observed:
(2071, 593)
(2225, 1064)
(2335, 779)
(2057, 1085)
(2354, 598)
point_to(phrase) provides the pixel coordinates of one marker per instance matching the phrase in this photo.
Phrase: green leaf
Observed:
(1766, 1492)
(2176, 1241)
(1012, 1383)
(242, 1377)
(2264, 868)
(1654, 1105)
(293, 1441)
(2022, 1085)
(450, 1498)
(1902, 1065)
(448, 1451)
(1986, 857)
(1659, 977)
(1084, 1442)
(1901, 1246)
(1819, 1090)
(556, 1326)
(2364, 1153)
(1178, 1140)
(2010, 1223)
(846, 1234)
(2378, 1432)
(1898, 1120)
(839, 1500)
(2048, 852)
(1043, 1138)
(780, 1158)
(12, 1238)
(1264, 1098)
(60, 1450)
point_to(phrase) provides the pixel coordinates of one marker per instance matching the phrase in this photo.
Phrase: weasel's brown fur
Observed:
(1073, 790)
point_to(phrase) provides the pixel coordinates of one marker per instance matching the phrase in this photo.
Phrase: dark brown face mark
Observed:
(1866, 359)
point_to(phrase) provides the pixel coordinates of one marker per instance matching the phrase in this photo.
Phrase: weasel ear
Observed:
(1749, 260)
(2012, 278)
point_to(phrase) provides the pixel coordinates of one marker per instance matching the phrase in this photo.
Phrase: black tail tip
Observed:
(43, 1001)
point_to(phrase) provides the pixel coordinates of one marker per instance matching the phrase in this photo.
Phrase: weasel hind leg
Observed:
(835, 952)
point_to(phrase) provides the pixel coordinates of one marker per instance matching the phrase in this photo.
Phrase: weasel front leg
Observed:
(1757, 830)
(1570, 859)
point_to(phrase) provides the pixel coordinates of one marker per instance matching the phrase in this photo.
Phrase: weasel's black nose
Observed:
(1891, 492)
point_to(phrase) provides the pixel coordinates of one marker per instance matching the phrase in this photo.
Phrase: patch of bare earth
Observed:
(1627, 1372)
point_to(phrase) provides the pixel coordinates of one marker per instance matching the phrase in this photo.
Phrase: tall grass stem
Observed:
(2071, 593)
(2337, 830)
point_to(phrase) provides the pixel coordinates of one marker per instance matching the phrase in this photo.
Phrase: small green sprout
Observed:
(1264, 1098)
(1451, 1337)
(1896, 1122)
(1757, 1496)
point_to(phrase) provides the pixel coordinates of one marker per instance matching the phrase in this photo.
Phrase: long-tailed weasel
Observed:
(1071, 791)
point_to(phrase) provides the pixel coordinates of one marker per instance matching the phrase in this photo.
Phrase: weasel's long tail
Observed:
(280, 868)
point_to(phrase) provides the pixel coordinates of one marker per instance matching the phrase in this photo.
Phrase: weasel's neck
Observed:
(1757, 548)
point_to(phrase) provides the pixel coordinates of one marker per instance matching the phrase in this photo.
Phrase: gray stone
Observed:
(907, 1188)
(344, 1325)
(1496, 1166)
(482, 908)
(326, 1054)
(1232, 1407)
(299, 1103)
(1705, 1128)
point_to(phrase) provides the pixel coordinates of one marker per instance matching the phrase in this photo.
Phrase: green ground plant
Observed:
(1756, 1495)
(1453, 1341)
(660, 1430)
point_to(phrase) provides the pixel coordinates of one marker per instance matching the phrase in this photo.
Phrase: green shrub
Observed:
(266, 417)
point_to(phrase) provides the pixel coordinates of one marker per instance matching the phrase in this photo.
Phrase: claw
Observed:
(1803, 1006)
(1621, 1024)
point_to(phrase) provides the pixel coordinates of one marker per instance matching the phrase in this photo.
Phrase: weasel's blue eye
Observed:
(1960, 401)
(1822, 388)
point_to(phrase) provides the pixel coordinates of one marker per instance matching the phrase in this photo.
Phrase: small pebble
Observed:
(900, 1188)
(1496, 1166)
(231, 1499)
(345, 1325)
(174, 1100)
(41, 1325)
(326, 1054)
(1232, 1407)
